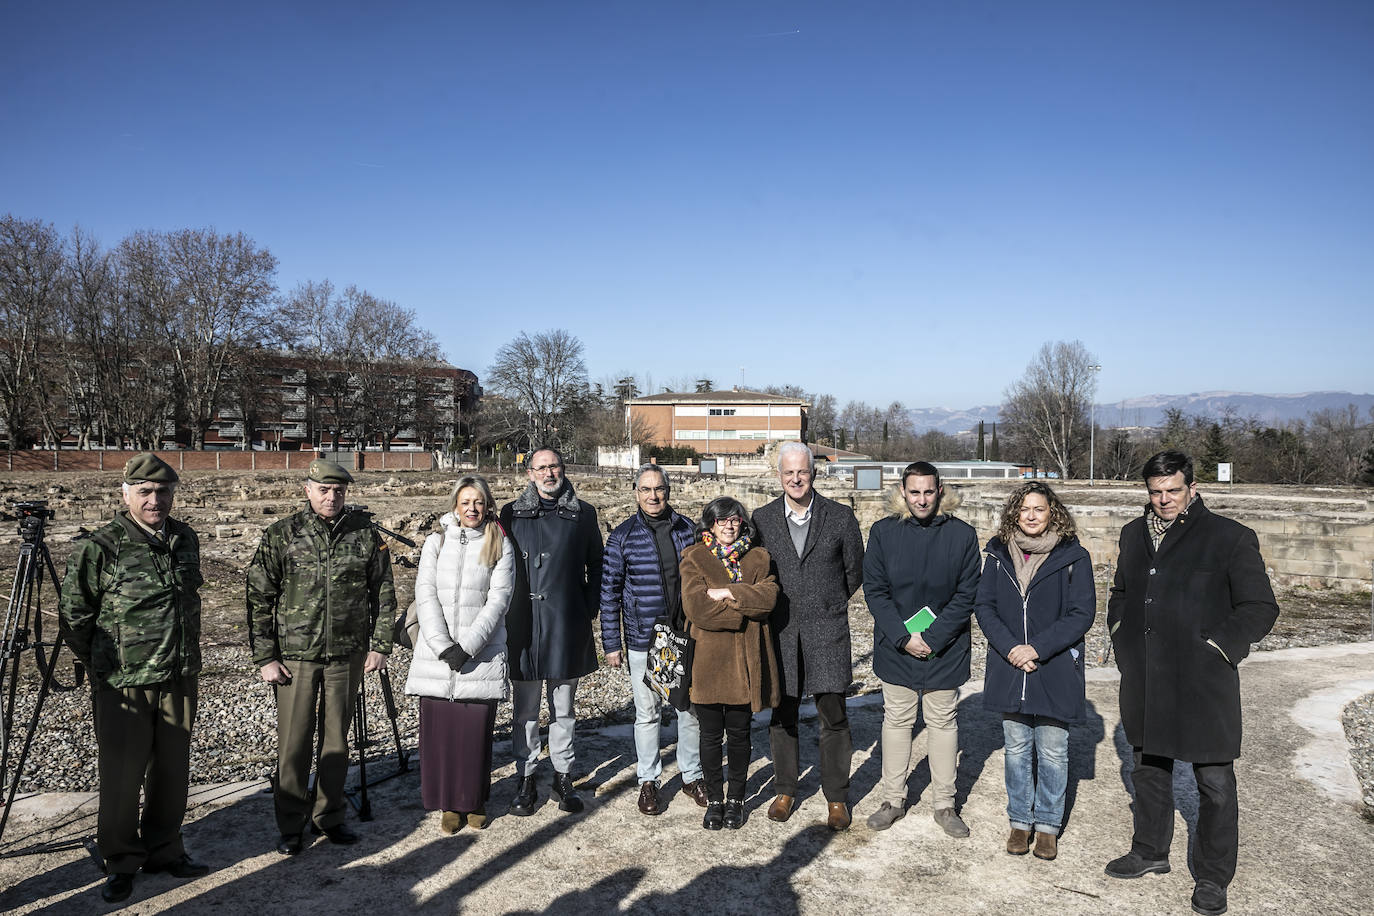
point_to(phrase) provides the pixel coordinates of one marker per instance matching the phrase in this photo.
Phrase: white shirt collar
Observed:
(795, 517)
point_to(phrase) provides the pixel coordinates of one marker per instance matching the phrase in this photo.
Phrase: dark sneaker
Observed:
(1209, 899)
(1133, 865)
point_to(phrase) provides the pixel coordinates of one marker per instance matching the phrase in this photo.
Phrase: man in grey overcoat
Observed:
(818, 550)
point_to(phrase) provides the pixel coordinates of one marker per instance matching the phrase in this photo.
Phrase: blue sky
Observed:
(883, 201)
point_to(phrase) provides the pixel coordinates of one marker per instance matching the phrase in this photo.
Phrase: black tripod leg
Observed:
(389, 698)
(28, 738)
(361, 742)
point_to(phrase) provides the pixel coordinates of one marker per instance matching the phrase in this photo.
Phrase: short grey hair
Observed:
(797, 448)
(651, 468)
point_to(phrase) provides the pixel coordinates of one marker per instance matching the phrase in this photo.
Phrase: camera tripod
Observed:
(361, 739)
(24, 622)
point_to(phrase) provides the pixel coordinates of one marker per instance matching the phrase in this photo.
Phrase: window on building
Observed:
(722, 411)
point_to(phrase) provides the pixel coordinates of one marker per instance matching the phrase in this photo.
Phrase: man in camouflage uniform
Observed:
(130, 611)
(320, 606)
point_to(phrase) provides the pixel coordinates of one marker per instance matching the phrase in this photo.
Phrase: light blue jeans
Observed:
(1036, 802)
(647, 735)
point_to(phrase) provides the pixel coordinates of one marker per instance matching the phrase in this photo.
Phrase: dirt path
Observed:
(1305, 848)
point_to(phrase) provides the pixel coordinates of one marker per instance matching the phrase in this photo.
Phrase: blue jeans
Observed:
(647, 706)
(1036, 802)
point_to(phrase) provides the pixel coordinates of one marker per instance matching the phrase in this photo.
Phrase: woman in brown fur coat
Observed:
(727, 596)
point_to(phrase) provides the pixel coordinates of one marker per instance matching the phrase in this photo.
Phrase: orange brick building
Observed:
(730, 422)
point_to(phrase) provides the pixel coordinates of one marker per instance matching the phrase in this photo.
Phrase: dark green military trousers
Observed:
(322, 691)
(144, 739)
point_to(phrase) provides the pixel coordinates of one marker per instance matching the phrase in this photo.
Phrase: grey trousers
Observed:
(524, 729)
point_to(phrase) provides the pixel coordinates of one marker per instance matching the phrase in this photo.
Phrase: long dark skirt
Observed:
(455, 753)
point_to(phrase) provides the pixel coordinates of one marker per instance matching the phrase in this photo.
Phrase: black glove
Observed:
(455, 657)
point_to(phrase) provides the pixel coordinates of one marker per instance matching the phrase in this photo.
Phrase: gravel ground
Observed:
(1358, 719)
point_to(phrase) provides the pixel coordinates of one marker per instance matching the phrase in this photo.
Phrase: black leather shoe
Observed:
(117, 887)
(733, 818)
(182, 867)
(567, 794)
(339, 834)
(714, 818)
(1209, 899)
(290, 844)
(525, 798)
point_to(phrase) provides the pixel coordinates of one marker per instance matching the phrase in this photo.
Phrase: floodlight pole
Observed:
(1092, 432)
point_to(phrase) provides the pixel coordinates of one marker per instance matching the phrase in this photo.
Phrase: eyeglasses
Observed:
(544, 468)
(730, 520)
(646, 491)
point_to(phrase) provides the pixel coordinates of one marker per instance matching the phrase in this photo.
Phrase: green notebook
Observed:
(919, 621)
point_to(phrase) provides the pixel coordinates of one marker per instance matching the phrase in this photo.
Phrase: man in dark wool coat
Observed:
(1190, 596)
(818, 552)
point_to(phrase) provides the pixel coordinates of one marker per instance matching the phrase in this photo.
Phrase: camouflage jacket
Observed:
(130, 604)
(316, 592)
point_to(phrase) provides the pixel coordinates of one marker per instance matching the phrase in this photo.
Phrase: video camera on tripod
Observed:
(23, 631)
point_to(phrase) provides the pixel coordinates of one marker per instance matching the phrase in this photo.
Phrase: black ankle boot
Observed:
(714, 818)
(525, 798)
(567, 795)
(734, 813)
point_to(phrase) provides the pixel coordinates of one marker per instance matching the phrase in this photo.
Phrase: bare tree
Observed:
(544, 375)
(214, 293)
(1047, 409)
(31, 273)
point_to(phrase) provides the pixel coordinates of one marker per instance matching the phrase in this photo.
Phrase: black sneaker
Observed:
(1209, 899)
(1133, 865)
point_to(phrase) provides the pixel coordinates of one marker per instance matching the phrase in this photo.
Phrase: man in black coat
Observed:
(921, 558)
(818, 553)
(549, 623)
(1190, 596)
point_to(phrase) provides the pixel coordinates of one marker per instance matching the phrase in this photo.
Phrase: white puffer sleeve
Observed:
(493, 613)
(430, 611)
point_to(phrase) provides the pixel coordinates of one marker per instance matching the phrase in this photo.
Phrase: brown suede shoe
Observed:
(781, 809)
(1018, 843)
(477, 820)
(451, 822)
(838, 818)
(1046, 846)
(696, 791)
(648, 798)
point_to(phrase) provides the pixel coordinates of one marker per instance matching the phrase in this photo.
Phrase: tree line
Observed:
(168, 331)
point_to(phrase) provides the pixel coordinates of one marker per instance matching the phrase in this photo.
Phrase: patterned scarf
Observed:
(1158, 526)
(730, 555)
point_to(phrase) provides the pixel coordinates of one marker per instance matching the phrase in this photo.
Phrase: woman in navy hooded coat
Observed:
(1035, 602)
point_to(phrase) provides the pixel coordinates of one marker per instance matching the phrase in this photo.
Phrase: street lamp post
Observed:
(1092, 432)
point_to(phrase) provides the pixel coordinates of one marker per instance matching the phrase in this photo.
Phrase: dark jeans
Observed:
(836, 746)
(731, 723)
(1218, 815)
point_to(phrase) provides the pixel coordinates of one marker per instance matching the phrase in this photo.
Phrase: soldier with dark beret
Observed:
(320, 606)
(130, 611)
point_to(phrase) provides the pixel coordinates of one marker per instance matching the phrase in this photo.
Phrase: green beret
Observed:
(322, 470)
(147, 466)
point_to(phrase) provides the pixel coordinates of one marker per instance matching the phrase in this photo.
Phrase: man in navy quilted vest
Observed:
(640, 588)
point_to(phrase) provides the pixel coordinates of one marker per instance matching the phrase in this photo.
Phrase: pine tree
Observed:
(1214, 451)
(982, 446)
(996, 453)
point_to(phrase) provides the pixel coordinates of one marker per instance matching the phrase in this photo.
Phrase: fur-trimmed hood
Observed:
(896, 503)
(527, 503)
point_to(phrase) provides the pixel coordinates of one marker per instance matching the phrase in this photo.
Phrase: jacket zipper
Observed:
(1025, 619)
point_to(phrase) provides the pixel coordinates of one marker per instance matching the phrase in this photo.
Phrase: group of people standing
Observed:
(755, 610)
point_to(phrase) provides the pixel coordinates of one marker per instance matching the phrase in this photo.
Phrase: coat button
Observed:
(1152, 571)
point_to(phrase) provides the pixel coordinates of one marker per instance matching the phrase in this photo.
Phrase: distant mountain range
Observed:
(1149, 410)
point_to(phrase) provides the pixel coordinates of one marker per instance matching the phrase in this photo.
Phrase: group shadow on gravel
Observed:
(352, 879)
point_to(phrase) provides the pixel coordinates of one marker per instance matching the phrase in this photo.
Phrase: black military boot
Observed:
(567, 795)
(525, 798)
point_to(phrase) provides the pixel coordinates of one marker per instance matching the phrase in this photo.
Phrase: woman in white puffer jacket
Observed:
(462, 591)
